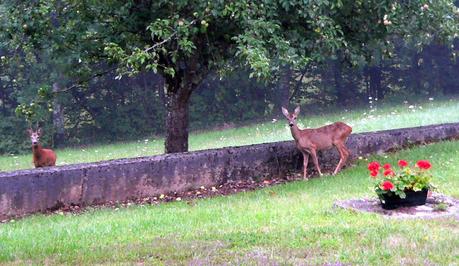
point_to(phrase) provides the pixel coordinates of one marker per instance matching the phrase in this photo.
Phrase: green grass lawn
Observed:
(385, 116)
(293, 223)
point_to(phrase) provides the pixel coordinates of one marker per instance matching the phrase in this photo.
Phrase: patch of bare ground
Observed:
(261, 256)
(437, 206)
(228, 188)
(170, 251)
(166, 251)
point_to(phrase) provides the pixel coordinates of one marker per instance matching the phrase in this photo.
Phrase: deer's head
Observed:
(34, 135)
(291, 117)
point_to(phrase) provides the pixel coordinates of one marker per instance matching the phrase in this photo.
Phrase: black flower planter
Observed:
(413, 198)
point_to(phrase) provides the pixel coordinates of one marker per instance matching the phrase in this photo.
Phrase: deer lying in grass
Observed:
(309, 141)
(41, 157)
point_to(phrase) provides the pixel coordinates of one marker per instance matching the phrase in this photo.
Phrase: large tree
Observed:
(185, 40)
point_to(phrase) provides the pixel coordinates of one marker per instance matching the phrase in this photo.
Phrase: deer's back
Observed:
(326, 136)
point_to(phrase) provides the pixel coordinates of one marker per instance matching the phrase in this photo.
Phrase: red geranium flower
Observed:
(374, 173)
(387, 166)
(374, 166)
(387, 185)
(402, 163)
(389, 172)
(424, 164)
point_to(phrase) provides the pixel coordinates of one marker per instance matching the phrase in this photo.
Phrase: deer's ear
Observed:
(285, 112)
(39, 131)
(30, 131)
(297, 110)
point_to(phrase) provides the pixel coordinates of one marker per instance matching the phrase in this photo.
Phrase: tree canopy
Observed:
(185, 40)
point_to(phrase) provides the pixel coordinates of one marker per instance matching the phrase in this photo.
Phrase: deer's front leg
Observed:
(315, 160)
(305, 164)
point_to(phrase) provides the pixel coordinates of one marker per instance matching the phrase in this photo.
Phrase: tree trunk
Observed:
(375, 82)
(415, 74)
(338, 78)
(284, 87)
(3, 99)
(177, 101)
(58, 120)
(178, 88)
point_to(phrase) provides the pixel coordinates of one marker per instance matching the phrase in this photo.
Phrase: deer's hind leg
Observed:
(344, 155)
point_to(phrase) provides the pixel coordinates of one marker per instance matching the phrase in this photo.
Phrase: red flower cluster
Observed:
(374, 166)
(402, 163)
(387, 185)
(423, 164)
(396, 180)
(389, 172)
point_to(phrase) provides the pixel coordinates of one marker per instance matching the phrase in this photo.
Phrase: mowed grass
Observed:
(290, 224)
(384, 116)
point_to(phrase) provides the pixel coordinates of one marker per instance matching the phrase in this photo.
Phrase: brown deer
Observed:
(41, 157)
(309, 141)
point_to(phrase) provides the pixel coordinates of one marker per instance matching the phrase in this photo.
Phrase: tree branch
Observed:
(167, 39)
(79, 83)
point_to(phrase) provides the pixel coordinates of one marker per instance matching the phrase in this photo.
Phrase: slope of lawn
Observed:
(294, 223)
(385, 116)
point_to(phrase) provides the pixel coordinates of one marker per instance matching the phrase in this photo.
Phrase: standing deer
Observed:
(309, 141)
(41, 157)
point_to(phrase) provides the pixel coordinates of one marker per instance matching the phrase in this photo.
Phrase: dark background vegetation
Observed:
(112, 110)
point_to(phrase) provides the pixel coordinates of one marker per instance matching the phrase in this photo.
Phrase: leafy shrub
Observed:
(13, 133)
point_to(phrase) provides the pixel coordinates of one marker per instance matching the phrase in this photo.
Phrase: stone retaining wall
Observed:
(28, 191)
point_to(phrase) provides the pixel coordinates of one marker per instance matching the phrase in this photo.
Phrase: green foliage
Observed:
(264, 34)
(441, 207)
(38, 109)
(13, 132)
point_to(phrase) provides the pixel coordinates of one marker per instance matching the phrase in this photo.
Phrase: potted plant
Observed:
(404, 186)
